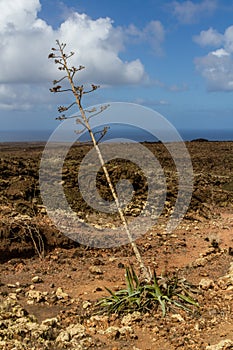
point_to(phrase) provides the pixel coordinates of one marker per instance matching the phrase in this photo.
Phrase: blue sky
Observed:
(172, 56)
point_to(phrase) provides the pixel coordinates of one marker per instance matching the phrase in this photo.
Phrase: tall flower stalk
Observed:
(61, 59)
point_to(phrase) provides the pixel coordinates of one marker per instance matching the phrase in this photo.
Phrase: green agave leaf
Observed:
(122, 293)
(154, 295)
(156, 287)
(135, 277)
(110, 291)
(163, 305)
(188, 299)
(129, 281)
(181, 306)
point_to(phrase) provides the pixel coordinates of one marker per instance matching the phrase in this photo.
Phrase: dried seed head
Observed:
(94, 87)
(62, 109)
(55, 88)
(61, 117)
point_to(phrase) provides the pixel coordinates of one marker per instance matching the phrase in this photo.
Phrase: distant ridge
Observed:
(200, 140)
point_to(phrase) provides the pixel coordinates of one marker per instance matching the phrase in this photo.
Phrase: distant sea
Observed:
(130, 133)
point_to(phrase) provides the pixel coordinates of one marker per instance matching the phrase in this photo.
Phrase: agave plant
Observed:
(166, 292)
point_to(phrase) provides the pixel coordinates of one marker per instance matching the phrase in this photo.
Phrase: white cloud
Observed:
(98, 45)
(217, 70)
(217, 66)
(228, 39)
(209, 37)
(6, 97)
(190, 12)
(220, 53)
(24, 96)
(153, 33)
(26, 41)
(18, 14)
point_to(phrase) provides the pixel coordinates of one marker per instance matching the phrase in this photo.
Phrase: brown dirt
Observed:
(201, 247)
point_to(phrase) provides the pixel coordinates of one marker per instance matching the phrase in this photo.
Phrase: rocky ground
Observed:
(49, 284)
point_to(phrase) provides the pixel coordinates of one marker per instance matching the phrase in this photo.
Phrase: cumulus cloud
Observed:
(209, 37)
(188, 12)
(217, 66)
(23, 97)
(217, 70)
(7, 95)
(153, 33)
(18, 14)
(26, 40)
(220, 53)
(98, 44)
(228, 39)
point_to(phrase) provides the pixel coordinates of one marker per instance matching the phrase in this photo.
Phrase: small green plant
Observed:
(166, 292)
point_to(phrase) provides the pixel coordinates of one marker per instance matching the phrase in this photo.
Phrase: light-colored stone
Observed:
(13, 296)
(18, 290)
(226, 282)
(36, 295)
(231, 269)
(206, 283)
(77, 330)
(37, 279)
(61, 294)
(112, 259)
(96, 270)
(112, 332)
(200, 262)
(116, 332)
(128, 319)
(178, 317)
(50, 321)
(64, 336)
(86, 304)
(98, 320)
(226, 344)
